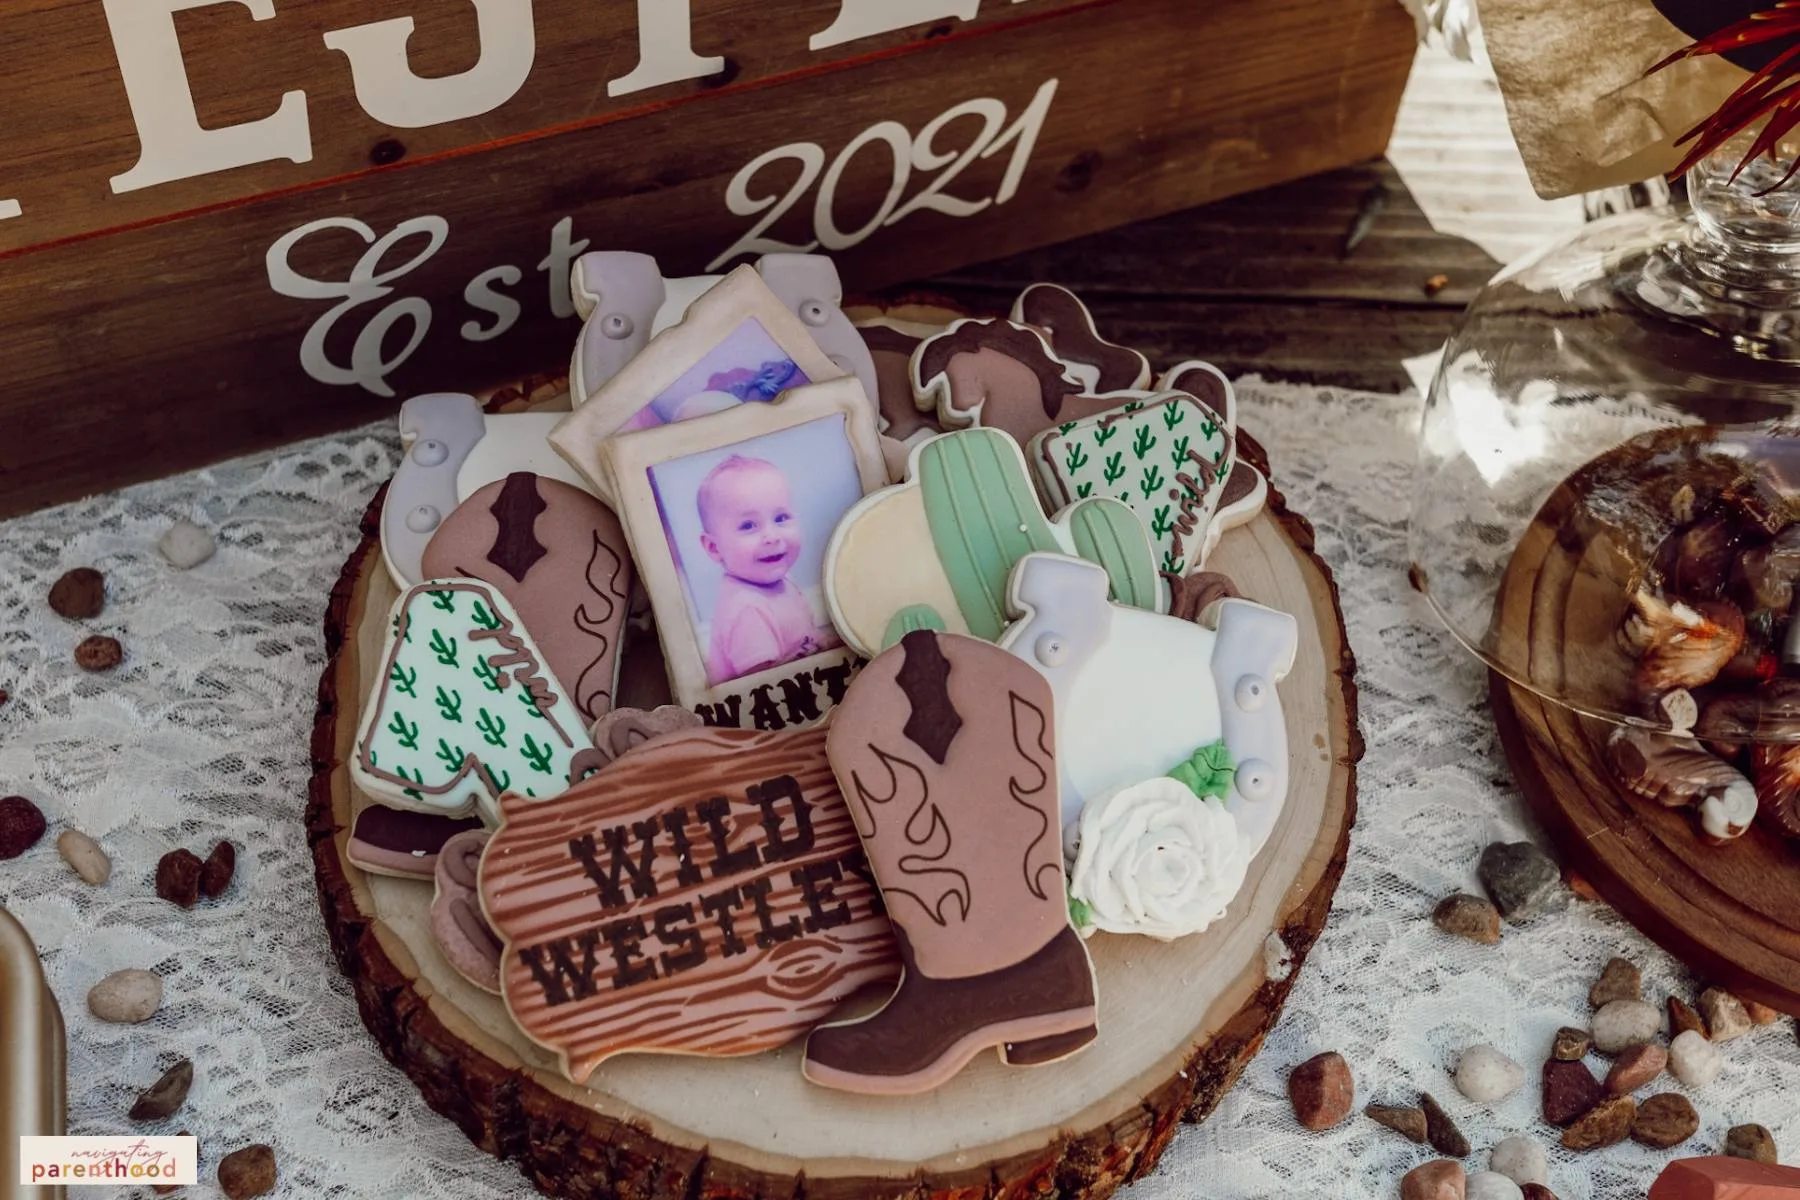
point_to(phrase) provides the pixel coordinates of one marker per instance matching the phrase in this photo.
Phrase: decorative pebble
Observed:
(1570, 1091)
(248, 1172)
(1761, 1014)
(215, 872)
(21, 825)
(1443, 1179)
(85, 855)
(1606, 1124)
(1572, 1045)
(1724, 1015)
(1322, 1090)
(99, 653)
(1694, 1060)
(1537, 1191)
(1486, 1076)
(1682, 1017)
(1625, 1023)
(126, 997)
(165, 1097)
(1620, 980)
(1491, 1185)
(1403, 1120)
(1440, 1130)
(1467, 916)
(1520, 1159)
(79, 594)
(186, 545)
(178, 877)
(1753, 1142)
(1519, 877)
(1665, 1120)
(1635, 1066)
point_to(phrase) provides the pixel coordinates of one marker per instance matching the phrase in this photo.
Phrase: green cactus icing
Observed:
(911, 619)
(983, 518)
(1109, 535)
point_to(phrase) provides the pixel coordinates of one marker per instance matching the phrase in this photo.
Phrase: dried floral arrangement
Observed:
(1771, 94)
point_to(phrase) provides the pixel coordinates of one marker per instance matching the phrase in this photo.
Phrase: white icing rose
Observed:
(1156, 859)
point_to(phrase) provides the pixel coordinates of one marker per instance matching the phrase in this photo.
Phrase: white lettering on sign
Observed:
(907, 154)
(563, 253)
(393, 94)
(10, 208)
(484, 294)
(665, 49)
(866, 18)
(172, 143)
(367, 282)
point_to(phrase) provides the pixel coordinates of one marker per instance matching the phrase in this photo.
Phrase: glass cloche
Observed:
(1607, 510)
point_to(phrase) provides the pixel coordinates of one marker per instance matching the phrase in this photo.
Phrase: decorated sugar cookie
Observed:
(1102, 366)
(465, 708)
(737, 344)
(624, 301)
(457, 924)
(728, 520)
(704, 894)
(452, 449)
(1000, 374)
(945, 749)
(625, 729)
(1245, 491)
(936, 550)
(1188, 686)
(1166, 458)
(560, 557)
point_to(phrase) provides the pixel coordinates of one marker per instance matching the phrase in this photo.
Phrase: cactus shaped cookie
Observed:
(935, 551)
(464, 708)
(1165, 457)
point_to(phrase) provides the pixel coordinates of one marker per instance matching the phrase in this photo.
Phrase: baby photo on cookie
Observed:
(746, 365)
(747, 527)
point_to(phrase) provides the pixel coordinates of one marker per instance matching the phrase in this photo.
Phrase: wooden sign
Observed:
(705, 894)
(231, 223)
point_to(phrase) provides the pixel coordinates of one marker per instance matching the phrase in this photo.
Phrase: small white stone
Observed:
(186, 545)
(85, 855)
(1724, 1014)
(1625, 1023)
(1486, 1076)
(1694, 1060)
(126, 997)
(1521, 1160)
(1491, 1185)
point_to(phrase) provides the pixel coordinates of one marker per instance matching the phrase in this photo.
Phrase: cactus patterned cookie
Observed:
(1165, 457)
(465, 709)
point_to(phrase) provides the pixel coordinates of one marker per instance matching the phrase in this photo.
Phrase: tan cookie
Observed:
(625, 729)
(394, 841)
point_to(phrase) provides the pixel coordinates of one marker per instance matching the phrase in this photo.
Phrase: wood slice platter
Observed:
(1178, 1021)
(1731, 912)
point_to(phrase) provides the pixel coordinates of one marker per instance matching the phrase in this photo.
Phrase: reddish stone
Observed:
(1570, 1091)
(1322, 1090)
(1724, 1178)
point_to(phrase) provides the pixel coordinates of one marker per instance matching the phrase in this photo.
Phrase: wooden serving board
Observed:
(1732, 912)
(1178, 1021)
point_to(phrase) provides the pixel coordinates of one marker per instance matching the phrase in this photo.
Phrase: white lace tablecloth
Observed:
(202, 734)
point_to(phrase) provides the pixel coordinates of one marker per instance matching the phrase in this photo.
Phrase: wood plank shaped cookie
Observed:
(560, 556)
(704, 894)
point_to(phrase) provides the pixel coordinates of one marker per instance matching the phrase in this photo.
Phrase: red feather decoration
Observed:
(1772, 92)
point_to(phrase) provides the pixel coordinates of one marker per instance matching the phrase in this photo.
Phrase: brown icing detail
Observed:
(891, 350)
(1066, 321)
(1203, 386)
(924, 676)
(396, 829)
(1191, 595)
(1240, 483)
(932, 1027)
(573, 599)
(623, 935)
(1002, 373)
(965, 850)
(516, 548)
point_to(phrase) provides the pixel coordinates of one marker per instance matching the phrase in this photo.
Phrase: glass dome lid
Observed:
(1607, 506)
